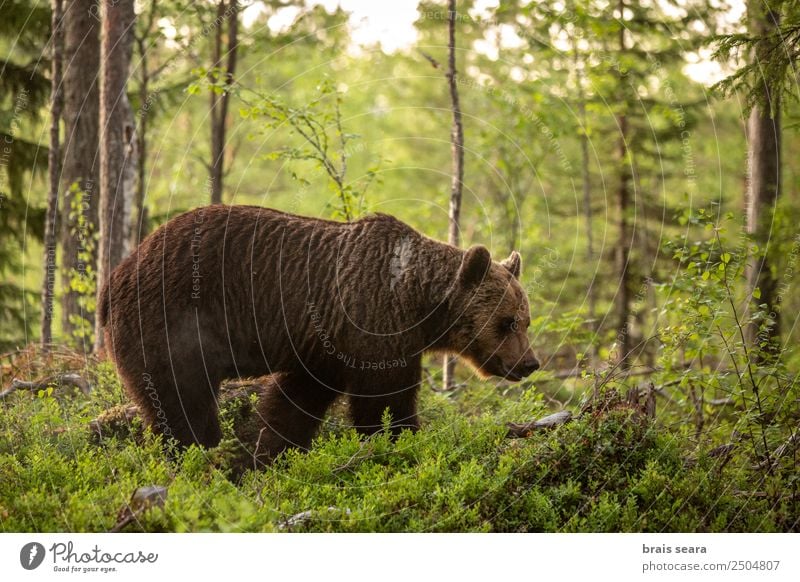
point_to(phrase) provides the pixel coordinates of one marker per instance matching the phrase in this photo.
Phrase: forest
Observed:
(639, 155)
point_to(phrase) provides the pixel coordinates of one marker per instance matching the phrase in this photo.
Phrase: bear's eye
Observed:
(509, 325)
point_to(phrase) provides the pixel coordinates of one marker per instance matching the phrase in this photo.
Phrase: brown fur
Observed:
(334, 308)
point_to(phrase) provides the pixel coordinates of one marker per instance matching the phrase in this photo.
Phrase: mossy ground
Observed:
(610, 470)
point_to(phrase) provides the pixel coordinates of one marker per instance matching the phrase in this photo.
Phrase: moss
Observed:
(608, 470)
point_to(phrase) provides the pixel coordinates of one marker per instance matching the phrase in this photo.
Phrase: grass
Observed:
(609, 470)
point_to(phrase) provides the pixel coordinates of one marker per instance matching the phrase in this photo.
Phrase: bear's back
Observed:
(244, 275)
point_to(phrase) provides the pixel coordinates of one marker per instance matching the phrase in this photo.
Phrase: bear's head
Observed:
(490, 316)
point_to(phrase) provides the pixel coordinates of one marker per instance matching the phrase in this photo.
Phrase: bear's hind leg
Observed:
(181, 407)
(195, 415)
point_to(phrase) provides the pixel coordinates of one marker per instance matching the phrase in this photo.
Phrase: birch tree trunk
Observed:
(457, 158)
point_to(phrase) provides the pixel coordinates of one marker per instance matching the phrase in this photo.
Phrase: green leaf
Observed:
(757, 293)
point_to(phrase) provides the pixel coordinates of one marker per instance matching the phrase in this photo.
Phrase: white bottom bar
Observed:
(407, 557)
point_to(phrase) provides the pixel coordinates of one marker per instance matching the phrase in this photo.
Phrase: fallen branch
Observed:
(45, 383)
(525, 430)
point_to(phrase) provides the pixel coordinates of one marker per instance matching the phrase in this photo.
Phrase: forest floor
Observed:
(611, 468)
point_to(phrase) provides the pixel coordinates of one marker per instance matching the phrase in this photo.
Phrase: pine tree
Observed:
(24, 91)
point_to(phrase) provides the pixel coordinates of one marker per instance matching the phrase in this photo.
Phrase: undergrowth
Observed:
(608, 470)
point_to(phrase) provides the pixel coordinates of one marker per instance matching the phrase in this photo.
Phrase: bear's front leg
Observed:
(374, 393)
(290, 412)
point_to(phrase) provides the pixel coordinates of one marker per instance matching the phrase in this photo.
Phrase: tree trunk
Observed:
(219, 102)
(80, 162)
(622, 255)
(763, 187)
(587, 207)
(53, 163)
(115, 121)
(140, 225)
(139, 228)
(130, 173)
(457, 157)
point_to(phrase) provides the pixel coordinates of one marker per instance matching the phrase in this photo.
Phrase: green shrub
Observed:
(608, 470)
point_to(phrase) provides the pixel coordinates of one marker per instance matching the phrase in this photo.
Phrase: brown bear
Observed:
(328, 308)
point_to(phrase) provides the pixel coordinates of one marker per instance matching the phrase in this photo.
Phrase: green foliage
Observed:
(610, 470)
(83, 280)
(323, 140)
(318, 124)
(767, 54)
(28, 17)
(707, 355)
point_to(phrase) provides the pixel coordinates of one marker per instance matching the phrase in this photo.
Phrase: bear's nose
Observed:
(529, 366)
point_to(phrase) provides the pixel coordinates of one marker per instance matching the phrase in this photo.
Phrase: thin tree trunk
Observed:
(217, 139)
(591, 294)
(140, 210)
(623, 307)
(764, 184)
(54, 167)
(130, 173)
(79, 175)
(117, 41)
(457, 157)
(622, 299)
(140, 228)
(219, 102)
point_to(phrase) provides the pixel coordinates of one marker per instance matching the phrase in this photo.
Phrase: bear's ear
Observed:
(513, 263)
(474, 266)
